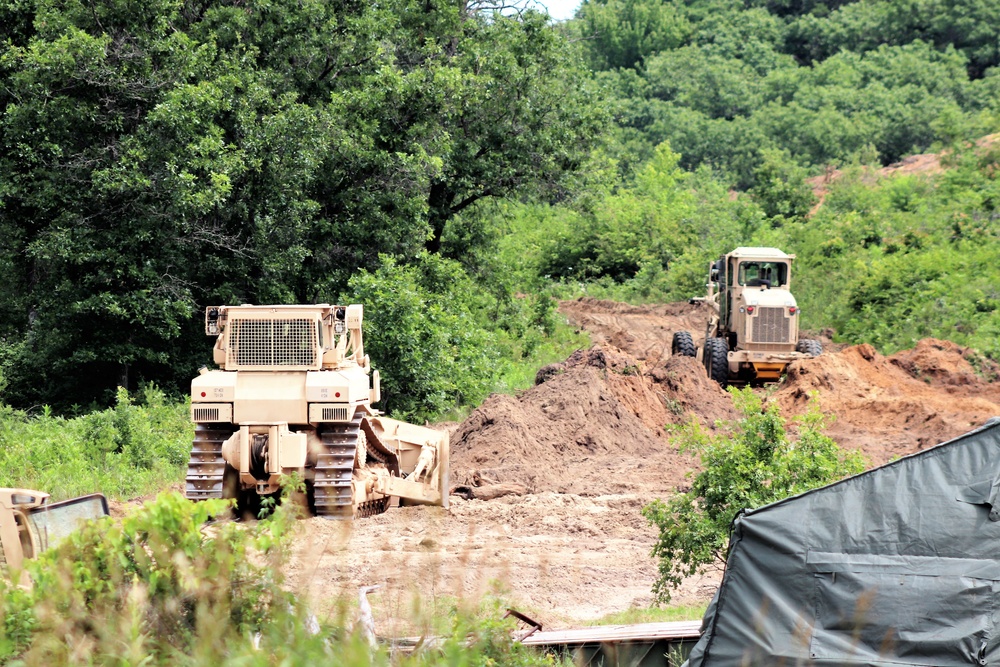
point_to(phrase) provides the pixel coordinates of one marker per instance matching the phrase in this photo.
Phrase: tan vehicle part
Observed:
(29, 524)
(293, 395)
(755, 313)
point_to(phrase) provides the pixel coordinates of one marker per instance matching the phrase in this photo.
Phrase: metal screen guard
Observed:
(256, 343)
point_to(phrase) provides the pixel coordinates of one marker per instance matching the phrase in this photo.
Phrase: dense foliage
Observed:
(453, 167)
(723, 81)
(161, 156)
(751, 463)
(134, 448)
(894, 260)
(729, 114)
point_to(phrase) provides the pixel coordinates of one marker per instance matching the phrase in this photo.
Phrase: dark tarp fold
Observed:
(897, 566)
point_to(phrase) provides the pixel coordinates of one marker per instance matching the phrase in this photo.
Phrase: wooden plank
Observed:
(616, 633)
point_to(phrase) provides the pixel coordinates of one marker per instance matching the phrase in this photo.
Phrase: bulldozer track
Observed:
(206, 466)
(371, 508)
(332, 492)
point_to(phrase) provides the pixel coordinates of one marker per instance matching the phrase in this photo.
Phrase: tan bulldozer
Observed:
(293, 394)
(754, 333)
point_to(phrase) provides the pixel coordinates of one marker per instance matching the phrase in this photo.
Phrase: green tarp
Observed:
(896, 566)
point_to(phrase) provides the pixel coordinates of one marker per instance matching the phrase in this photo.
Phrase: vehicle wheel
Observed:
(683, 345)
(811, 347)
(717, 360)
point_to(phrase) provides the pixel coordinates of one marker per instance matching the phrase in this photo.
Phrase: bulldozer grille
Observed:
(288, 343)
(206, 414)
(335, 415)
(771, 326)
(319, 412)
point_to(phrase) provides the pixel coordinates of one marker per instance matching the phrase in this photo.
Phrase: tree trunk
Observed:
(439, 210)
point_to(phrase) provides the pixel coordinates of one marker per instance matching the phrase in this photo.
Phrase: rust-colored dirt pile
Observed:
(642, 331)
(645, 332)
(893, 406)
(687, 390)
(594, 425)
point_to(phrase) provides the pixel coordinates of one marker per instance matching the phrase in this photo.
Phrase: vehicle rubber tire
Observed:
(683, 345)
(811, 347)
(716, 358)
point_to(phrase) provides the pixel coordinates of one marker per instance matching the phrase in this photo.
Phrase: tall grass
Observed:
(132, 449)
(653, 615)
(162, 588)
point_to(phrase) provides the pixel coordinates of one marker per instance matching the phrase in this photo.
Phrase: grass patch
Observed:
(133, 449)
(653, 615)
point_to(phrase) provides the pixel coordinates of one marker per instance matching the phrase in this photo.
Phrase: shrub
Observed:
(750, 463)
(133, 448)
(156, 586)
(162, 587)
(423, 333)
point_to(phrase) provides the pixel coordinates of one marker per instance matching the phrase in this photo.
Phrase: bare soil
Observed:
(578, 455)
(922, 164)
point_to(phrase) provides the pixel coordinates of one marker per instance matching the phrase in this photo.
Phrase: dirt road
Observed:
(587, 448)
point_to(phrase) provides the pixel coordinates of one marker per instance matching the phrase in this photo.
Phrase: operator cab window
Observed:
(769, 274)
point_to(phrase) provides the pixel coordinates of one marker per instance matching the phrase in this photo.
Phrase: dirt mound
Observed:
(689, 390)
(894, 406)
(938, 362)
(593, 426)
(644, 332)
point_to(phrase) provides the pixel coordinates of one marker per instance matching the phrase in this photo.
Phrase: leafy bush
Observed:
(891, 260)
(751, 463)
(423, 333)
(129, 450)
(155, 587)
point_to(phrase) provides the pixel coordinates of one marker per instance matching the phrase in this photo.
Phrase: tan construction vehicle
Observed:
(29, 524)
(293, 395)
(754, 333)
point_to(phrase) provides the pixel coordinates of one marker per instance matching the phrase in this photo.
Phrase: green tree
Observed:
(423, 334)
(964, 25)
(625, 231)
(780, 189)
(751, 463)
(622, 33)
(694, 77)
(158, 159)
